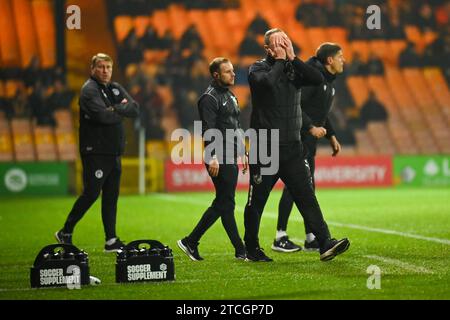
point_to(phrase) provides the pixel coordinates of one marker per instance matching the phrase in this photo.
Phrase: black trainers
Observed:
(240, 254)
(189, 249)
(257, 255)
(311, 246)
(63, 238)
(334, 248)
(285, 245)
(115, 247)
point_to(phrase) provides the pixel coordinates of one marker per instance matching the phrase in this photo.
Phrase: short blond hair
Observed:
(215, 64)
(100, 57)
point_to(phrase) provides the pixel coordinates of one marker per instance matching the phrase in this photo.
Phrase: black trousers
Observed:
(101, 173)
(295, 174)
(286, 201)
(222, 206)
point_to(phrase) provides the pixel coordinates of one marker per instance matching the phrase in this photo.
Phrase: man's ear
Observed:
(216, 75)
(329, 60)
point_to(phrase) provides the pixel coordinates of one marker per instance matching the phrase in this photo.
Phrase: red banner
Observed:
(330, 172)
(194, 177)
(353, 171)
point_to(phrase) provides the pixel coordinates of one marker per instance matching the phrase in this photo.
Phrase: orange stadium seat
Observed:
(395, 48)
(155, 56)
(364, 143)
(26, 32)
(66, 144)
(378, 85)
(380, 48)
(299, 36)
(45, 144)
(438, 87)
(242, 93)
(64, 119)
(358, 89)
(161, 23)
(179, 20)
(140, 24)
(414, 35)
(362, 47)
(10, 53)
(45, 30)
(381, 137)
(166, 94)
(2, 89)
(216, 21)
(317, 36)
(6, 145)
(23, 140)
(11, 87)
(122, 26)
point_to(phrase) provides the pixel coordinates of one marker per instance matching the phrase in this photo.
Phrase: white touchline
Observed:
(398, 233)
(273, 215)
(401, 264)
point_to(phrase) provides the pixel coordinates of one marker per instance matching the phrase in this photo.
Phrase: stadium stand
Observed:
(415, 98)
(169, 44)
(32, 86)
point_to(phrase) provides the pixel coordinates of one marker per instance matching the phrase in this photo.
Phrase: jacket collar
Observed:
(100, 84)
(313, 61)
(218, 87)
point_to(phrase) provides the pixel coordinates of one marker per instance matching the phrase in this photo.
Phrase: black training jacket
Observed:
(317, 100)
(275, 87)
(101, 130)
(218, 109)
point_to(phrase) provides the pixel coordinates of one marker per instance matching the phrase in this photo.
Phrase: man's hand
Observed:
(244, 160)
(124, 100)
(213, 167)
(278, 52)
(318, 132)
(278, 38)
(287, 45)
(335, 145)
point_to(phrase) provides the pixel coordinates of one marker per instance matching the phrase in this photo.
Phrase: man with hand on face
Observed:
(103, 107)
(219, 111)
(316, 103)
(275, 85)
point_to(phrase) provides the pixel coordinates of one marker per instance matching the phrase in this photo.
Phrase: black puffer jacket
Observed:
(275, 87)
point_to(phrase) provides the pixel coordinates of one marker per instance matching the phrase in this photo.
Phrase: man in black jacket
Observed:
(219, 112)
(275, 85)
(316, 104)
(103, 106)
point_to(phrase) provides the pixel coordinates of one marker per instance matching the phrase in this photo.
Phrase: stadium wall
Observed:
(342, 172)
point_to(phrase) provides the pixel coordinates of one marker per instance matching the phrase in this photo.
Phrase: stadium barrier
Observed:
(34, 178)
(422, 171)
(337, 172)
(129, 181)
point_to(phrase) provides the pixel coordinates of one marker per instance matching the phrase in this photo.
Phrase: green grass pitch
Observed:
(405, 232)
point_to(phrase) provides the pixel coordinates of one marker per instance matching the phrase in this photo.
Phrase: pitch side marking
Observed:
(401, 264)
(273, 215)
